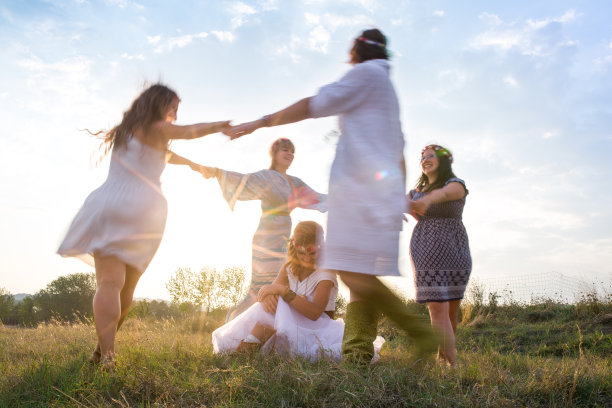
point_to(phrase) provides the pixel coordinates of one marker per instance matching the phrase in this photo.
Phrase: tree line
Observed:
(69, 298)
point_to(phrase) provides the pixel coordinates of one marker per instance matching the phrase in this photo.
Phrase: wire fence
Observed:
(533, 288)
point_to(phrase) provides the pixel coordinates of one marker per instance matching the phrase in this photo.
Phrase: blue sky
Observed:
(520, 92)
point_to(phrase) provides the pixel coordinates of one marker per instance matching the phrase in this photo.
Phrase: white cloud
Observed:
(490, 19)
(126, 56)
(439, 13)
(224, 36)
(318, 39)
(334, 21)
(522, 37)
(241, 11)
(549, 134)
(180, 42)
(397, 22)
(312, 19)
(154, 40)
(291, 49)
(510, 81)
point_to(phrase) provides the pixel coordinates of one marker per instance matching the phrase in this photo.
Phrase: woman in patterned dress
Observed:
(280, 194)
(439, 248)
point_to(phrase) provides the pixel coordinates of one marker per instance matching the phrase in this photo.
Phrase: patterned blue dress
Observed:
(440, 251)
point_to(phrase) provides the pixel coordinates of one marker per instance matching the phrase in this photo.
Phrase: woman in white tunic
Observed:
(294, 314)
(279, 193)
(120, 225)
(366, 192)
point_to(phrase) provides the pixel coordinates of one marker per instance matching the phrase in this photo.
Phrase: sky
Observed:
(520, 92)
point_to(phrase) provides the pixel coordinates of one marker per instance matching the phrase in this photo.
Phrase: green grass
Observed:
(543, 355)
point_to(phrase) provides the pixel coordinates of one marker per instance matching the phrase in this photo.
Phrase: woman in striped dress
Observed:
(279, 194)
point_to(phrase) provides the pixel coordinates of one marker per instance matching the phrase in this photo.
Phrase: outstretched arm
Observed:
(291, 114)
(169, 131)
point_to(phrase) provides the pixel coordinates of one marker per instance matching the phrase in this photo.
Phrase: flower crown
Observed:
(371, 42)
(440, 151)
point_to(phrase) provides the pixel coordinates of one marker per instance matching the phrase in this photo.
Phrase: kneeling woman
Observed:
(294, 314)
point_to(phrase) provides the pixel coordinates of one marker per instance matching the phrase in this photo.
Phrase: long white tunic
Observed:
(366, 196)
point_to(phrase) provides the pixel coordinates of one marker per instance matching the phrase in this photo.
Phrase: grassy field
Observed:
(538, 355)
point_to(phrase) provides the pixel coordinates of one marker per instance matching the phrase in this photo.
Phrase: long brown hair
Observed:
(306, 233)
(444, 171)
(150, 106)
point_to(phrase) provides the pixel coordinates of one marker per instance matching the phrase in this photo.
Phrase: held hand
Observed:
(234, 132)
(418, 208)
(205, 171)
(270, 303)
(223, 126)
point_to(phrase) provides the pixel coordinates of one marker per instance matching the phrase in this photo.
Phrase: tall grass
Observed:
(538, 355)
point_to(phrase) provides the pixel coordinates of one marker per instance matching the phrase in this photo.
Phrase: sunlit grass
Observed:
(538, 355)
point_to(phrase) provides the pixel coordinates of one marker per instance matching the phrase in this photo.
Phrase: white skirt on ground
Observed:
(296, 335)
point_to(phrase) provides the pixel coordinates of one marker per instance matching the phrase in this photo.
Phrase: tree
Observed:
(210, 287)
(182, 288)
(233, 285)
(7, 305)
(67, 298)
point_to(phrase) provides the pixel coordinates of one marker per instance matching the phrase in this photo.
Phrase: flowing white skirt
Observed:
(296, 335)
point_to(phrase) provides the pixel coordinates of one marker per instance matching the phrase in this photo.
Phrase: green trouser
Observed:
(361, 325)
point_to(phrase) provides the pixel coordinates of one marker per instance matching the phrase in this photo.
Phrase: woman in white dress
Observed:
(366, 192)
(294, 314)
(120, 225)
(279, 193)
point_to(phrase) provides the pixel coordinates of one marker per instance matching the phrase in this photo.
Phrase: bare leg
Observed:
(439, 313)
(453, 313)
(262, 332)
(110, 277)
(127, 294)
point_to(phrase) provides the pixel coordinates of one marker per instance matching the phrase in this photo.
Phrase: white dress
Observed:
(126, 215)
(366, 196)
(295, 333)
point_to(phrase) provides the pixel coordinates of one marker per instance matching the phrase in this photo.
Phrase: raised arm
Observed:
(291, 114)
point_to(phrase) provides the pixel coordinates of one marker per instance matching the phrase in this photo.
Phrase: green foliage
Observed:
(67, 298)
(210, 287)
(7, 303)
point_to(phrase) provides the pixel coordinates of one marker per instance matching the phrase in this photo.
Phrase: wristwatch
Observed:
(288, 296)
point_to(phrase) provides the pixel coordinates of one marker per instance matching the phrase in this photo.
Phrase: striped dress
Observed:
(279, 195)
(440, 251)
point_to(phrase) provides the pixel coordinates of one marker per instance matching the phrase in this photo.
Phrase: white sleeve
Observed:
(344, 95)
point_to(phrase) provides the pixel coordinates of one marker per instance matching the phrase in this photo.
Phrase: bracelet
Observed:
(266, 120)
(288, 296)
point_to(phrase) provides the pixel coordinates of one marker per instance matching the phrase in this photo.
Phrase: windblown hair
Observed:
(280, 144)
(362, 51)
(150, 106)
(444, 173)
(306, 233)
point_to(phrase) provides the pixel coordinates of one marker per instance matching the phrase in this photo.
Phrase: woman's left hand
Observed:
(270, 303)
